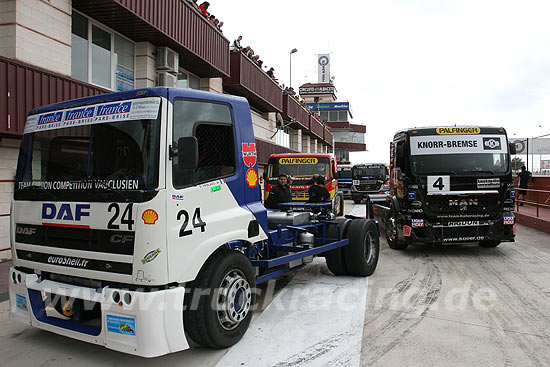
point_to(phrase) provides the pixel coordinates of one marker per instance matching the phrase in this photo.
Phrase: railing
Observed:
(316, 127)
(295, 112)
(327, 137)
(248, 80)
(541, 202)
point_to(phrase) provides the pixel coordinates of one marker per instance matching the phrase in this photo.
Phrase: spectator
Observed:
(194, 3)
(318, 193)
(237, 44)
(260, 63)
(220, 27)
(246, 49)
(204, 8)
(280, 193)
(250, 53)
(270, 73)
(523, 183)
(211, 19)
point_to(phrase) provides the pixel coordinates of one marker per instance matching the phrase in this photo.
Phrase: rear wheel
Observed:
(218, 308)
(391, 235)
(489, 243)
(361, 255)
(335, 258)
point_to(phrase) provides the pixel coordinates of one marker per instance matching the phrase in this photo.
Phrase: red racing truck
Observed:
(301, 167)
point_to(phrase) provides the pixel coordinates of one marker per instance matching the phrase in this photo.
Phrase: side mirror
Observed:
(512, 148)
(188, 153)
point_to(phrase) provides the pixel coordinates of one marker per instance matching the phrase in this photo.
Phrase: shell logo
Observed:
(149, 216)
(251, 177)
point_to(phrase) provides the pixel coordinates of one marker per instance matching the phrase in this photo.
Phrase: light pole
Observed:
(294, 50)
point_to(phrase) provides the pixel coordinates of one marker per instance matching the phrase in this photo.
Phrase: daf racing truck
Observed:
(371, 178)
(345, 180)
(449, 185)
(136, 223)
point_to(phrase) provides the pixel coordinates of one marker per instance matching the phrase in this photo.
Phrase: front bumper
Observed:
(421, 231)
(146, 324)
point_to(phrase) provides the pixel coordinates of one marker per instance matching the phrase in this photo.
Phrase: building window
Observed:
(186, 80)
(324, 115)
(100, 56)
(343, 116)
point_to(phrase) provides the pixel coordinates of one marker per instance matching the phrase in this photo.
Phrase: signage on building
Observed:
(532, 146)
(317, 90)
(323, 68)
(545, 164)
(329, 106)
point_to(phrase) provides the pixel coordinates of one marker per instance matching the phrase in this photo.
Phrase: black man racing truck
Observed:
(137, 223)
(449, 185)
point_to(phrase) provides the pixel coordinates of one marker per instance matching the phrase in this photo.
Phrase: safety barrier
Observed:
(541, 202)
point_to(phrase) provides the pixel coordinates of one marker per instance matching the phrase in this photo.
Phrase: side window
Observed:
(212, 125)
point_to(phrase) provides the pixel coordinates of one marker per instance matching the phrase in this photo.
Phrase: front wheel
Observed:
(391, 235)
(219, 307)
(489, 243)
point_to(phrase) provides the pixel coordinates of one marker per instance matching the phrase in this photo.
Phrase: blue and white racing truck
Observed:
(137, 223)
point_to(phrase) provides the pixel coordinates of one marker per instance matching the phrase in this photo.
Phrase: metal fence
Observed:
(538, 203)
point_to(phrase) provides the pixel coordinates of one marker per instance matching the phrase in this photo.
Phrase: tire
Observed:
(341, 212)
(489, 243)
(361, 255)
(335, 258)
(230, 279)
(392, 239)
(336, 202)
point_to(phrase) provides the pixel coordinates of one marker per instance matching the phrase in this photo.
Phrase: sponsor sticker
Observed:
(417, 223)
(251, 177)
(150, 216)
(215, 188)
(463, 223)
(177, 197)
(121, 325)
(488, 183)
(21, 302)
(249, 154)
(407, 231)
(150, 256)
(508, 221)
(298, 160)
(458, 130)
(411, 196)
(135, 109)
(456, 144)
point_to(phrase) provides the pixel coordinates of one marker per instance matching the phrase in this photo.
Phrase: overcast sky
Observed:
(406, 63)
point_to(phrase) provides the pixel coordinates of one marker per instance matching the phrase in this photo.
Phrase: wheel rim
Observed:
(370, 248)
(234, 299)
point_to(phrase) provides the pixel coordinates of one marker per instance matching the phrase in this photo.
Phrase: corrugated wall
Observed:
(24, 87)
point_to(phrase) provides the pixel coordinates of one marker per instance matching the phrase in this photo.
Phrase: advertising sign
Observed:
(323, 68)
(317, 90)
(458, 144)
(329, 106)
(532, 146)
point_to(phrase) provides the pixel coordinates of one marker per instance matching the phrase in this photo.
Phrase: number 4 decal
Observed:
(197, 222)
(439, 184)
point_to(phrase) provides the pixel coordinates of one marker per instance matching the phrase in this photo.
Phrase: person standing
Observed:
(318, 193)
(523, 183)
(279, 193)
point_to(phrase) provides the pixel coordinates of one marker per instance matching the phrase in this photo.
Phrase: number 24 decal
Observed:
(197, 222)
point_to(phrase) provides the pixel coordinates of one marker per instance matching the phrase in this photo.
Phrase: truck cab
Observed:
(300, 168)
(345, 180)
(368, 178)
(449, 185)
(136, 223)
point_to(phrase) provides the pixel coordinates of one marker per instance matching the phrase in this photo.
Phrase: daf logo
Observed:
(120, 238)
(26, 231)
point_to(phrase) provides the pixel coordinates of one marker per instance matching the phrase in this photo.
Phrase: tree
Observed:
(517, 162)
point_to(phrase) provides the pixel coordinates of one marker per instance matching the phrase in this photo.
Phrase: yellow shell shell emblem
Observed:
(251, 177)
(149, 216)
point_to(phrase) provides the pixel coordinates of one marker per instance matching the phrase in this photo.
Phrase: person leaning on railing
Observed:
(523, 183)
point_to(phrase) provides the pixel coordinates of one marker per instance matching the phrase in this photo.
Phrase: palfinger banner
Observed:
(458, 144)
(323, 68)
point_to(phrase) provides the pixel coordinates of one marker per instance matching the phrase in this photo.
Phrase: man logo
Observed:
(491, 144)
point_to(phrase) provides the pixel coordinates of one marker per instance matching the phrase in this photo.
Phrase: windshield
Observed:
(299, 166)
(345, 173)
(460, 164)
(119, 155)
(363, 172)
